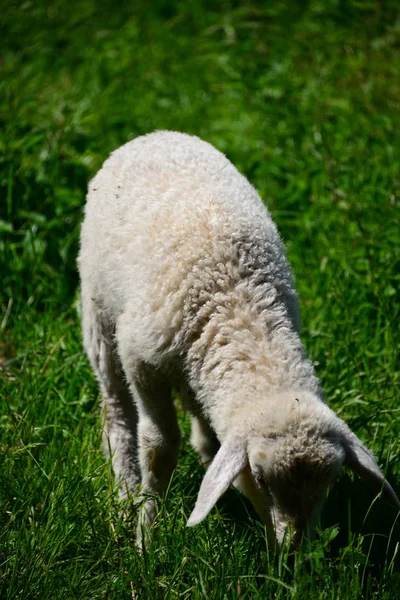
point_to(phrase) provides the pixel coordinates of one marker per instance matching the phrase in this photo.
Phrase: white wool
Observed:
(178, 246)
(185, 283)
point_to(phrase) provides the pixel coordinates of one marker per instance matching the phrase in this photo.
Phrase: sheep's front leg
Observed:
(203, 440)
(159, 441)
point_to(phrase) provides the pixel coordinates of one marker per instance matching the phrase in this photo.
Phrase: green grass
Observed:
(304, 97)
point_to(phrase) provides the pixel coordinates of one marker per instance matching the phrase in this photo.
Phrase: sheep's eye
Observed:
(259, 477)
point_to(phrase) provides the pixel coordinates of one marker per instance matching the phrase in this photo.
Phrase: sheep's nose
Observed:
(299, 533)
(288, 535)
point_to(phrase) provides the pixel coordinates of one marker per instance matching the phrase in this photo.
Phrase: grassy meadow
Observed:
(304, 98)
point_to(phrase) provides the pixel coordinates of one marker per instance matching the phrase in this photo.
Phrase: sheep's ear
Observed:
(361, 461)
(230, 460)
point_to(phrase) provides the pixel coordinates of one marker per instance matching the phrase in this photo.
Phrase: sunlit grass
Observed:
(304, 99)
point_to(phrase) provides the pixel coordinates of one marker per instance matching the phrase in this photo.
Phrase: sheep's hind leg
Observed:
(120, 432)
(119, 414)
(159, 439)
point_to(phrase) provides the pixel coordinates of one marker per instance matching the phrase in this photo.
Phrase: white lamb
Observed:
(185, 284)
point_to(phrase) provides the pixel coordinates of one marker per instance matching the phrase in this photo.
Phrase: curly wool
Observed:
(185, 284)
(178, 248)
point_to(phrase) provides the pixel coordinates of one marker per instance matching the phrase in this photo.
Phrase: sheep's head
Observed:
(287, 481)
(285, 466)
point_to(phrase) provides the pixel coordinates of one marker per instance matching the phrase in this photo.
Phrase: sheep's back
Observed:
(166, 215)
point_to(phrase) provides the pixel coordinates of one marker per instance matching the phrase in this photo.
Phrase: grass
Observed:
(304, 97)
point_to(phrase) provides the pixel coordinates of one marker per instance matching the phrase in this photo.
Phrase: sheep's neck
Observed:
(239, 361)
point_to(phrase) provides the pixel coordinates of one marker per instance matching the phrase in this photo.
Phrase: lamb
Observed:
(185, 285)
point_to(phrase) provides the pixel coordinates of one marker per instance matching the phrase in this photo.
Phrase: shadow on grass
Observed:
(352, 505)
